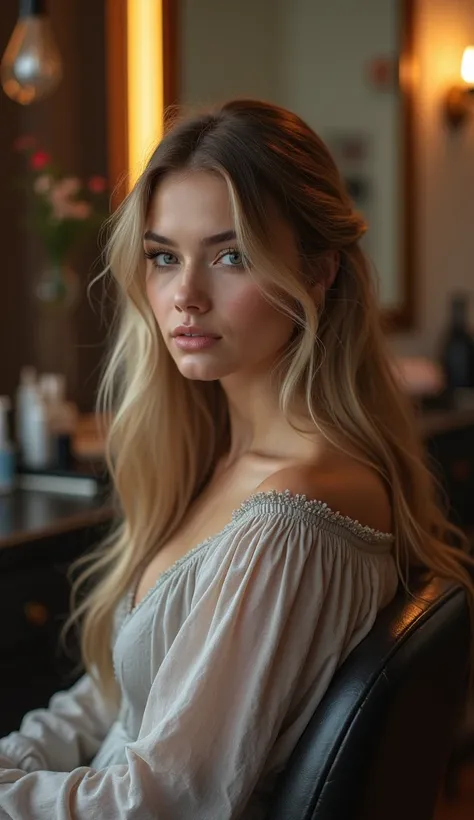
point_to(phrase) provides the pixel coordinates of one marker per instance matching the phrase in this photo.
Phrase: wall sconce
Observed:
(459, 97)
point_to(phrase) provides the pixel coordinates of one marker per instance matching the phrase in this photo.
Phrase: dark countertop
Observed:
(435, 422)
(27, 515)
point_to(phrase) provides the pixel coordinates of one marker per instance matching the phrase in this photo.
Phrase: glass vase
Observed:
(56, 294)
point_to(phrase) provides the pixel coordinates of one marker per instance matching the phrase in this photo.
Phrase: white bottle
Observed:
(26, 393)
(7, 450)
(36, 445)
(52, 387)
(62, 417)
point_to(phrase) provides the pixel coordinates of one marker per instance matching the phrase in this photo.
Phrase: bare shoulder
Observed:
(354, 490)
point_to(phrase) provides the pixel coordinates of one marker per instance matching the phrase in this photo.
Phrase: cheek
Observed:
(243, 306)
(249, 309)
(155, 299)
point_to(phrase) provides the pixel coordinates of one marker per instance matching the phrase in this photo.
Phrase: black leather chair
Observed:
(378, 744)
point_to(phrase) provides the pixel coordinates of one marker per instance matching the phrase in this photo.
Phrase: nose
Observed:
(190, 295)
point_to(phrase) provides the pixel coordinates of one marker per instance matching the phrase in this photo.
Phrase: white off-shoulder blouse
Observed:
(220, 667)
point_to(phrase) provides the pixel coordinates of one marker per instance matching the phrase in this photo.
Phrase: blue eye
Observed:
(235, 258)
(161, 259)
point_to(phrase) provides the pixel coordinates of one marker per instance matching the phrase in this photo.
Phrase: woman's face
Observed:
(196, 282)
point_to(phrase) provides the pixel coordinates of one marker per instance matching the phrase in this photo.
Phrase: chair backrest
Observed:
(377, 745)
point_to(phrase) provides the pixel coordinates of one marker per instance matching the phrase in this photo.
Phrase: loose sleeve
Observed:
(275, 593)
(63, 736)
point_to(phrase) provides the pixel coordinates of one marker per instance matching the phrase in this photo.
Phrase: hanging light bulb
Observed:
(31, 66)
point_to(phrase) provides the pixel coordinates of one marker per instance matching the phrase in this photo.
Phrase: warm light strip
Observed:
(467, 65)
(145, 81)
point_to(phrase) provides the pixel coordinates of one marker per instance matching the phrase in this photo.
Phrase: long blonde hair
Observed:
(167, 432)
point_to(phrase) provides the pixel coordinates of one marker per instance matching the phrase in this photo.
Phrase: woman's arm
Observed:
(63, 736)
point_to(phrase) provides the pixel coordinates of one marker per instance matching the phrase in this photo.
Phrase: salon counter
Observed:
(27, 516)
(41, 537)
(437, 422)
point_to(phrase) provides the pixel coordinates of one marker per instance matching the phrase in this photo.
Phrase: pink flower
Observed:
(59, 202)
(59, 210)
(39, 160)
(79, 210)
(42, 184)
(62, 205)
(68, 186)
(65, 209)
(97, 185)
(24, 143)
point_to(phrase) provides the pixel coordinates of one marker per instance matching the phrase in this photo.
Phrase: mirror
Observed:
(344, 67)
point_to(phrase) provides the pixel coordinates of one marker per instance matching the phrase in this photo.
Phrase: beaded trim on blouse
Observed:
(295, 501)
(299, 501)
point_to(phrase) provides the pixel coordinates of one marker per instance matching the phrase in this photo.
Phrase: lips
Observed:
(189, 331)
(195, 343)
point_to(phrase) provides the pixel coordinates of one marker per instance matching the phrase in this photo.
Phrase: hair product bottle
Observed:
(7, 450)
(457, 352)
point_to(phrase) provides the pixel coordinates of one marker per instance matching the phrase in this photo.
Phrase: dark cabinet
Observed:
(451, 455)
(34, 602)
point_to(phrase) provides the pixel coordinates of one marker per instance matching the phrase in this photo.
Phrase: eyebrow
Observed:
(216, 239)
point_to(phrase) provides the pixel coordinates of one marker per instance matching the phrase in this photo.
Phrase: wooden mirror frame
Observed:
(401, 317)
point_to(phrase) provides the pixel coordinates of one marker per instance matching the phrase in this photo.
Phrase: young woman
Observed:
(271, 487)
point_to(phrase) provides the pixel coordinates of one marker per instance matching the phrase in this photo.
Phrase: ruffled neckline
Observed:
(283, 501)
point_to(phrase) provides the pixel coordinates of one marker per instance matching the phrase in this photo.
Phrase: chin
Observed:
(203, 371)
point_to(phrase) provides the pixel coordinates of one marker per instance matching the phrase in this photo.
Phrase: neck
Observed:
(258, 426)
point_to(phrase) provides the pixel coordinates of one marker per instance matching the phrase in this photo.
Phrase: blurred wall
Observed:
(219, 60)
